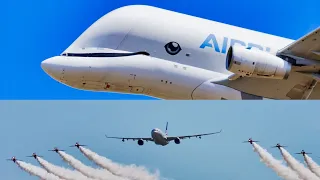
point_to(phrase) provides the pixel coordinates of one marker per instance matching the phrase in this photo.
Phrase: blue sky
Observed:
(40, 125)
(36, 30)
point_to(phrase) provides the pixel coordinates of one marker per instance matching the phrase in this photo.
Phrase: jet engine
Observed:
(140, 142)
(256, 63)
(177, 140)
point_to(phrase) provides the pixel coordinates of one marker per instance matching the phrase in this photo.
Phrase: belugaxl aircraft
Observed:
(140, 49)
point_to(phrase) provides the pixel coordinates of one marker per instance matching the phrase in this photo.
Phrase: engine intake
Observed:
(177, 140)
(140, 142)
(256, 63)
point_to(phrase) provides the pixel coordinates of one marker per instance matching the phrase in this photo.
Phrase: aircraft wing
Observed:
(307, 47)
(130, 138)
(302, 83)
(190, 136)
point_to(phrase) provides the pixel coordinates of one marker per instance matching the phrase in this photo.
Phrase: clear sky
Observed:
(40, 125)
(36, 30)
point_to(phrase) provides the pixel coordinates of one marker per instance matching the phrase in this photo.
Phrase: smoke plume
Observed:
(90, 172)
(276, 165)
(303, 172)
(128, 171)
(61, 172)
(313, 166)
(36, 171)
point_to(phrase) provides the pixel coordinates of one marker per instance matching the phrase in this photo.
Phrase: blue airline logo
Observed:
(211, 42)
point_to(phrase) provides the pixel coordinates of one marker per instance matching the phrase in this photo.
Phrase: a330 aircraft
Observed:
(160, 138)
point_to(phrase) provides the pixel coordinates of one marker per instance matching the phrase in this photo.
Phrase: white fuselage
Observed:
(193, 73)
(159, 137)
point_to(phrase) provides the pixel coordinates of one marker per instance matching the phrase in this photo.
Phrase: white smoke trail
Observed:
(90, 172)
(36, 171)
(276, 165)
(61, 172)
(303, 172)
(313, 166)
(132, 171)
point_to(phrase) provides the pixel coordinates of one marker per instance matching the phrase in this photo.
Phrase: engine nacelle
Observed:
(177, 140)
(140, 142)
(256, 63)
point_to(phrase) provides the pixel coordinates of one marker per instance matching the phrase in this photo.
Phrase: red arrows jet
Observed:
(278, 146)
(56, 150)
(34, 155)
(303, 153)
(250, 141)
(13, 159)
(77, 145)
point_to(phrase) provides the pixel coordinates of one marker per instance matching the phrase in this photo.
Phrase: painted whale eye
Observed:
(172, 48)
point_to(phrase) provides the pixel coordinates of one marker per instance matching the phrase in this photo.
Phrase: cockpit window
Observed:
(105, 54)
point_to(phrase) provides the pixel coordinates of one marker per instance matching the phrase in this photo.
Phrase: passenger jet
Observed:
(146, 50)
(160, 138)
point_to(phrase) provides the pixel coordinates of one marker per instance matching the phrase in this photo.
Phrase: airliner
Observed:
(160, 138)
(145, 50)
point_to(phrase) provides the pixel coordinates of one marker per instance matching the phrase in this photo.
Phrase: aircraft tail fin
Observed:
(167, 128)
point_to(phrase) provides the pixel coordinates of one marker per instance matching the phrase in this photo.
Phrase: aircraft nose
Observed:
(46, 64)
(51, 67)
